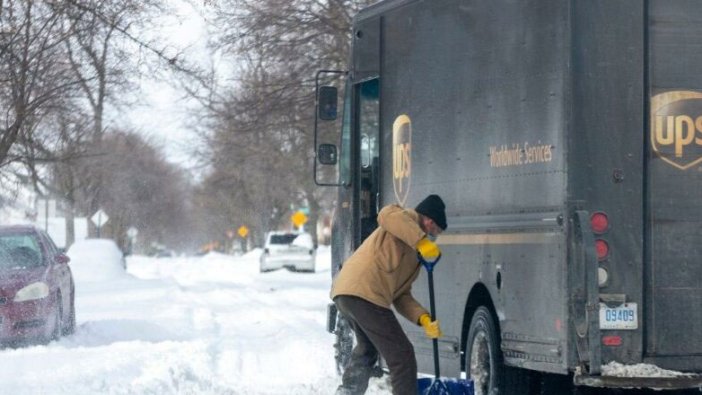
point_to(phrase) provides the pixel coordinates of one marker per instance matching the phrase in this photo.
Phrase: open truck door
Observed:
(350, 154)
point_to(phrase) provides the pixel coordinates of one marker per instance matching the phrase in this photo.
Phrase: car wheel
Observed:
(70, 326)
(484, 363)
(58, 313)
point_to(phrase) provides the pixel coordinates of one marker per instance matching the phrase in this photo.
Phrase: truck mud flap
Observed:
(585, 307)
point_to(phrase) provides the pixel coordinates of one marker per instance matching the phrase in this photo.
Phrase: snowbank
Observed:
(617, 369)
(96, 260)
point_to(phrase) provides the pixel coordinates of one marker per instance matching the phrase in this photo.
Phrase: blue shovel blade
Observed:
(431, 386)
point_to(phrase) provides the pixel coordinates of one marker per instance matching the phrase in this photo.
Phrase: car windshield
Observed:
(5, 259)
(283, 239)
(19, 251)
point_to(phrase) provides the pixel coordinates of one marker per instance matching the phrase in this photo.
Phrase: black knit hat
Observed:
(433, 207)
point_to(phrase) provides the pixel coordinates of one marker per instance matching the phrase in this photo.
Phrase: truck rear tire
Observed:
(344, 343)
(484, 363)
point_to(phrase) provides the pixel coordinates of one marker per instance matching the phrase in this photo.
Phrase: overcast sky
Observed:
(163, 113)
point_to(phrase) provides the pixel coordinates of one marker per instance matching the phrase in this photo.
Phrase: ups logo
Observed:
(676, 127)
(401, 157)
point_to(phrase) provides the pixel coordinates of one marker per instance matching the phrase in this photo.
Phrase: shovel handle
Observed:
(432, 307)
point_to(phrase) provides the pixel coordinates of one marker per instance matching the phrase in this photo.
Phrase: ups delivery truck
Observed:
(565, 137)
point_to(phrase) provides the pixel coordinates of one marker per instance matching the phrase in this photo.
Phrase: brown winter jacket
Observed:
(384, 267)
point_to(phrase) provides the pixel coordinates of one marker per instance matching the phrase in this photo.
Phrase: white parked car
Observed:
(293, 250)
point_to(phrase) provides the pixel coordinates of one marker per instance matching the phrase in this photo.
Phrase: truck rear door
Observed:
(674, 186)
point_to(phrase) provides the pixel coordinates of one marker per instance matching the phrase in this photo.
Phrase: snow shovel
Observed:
(437, 385)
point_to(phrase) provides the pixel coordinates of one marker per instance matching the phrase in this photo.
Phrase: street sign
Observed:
(243, 231)
(299, 218)
(99, 218)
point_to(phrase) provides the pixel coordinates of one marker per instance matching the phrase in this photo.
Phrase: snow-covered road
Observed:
(205, 325)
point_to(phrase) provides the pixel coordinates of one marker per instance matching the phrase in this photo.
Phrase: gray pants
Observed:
(377, 331)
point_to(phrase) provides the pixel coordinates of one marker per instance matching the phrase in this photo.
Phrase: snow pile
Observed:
(96, 260)
(617, 369)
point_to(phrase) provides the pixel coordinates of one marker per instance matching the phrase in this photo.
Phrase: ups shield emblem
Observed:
(676, 128)
(401, 157)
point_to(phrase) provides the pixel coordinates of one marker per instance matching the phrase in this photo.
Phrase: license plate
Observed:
(621, 317)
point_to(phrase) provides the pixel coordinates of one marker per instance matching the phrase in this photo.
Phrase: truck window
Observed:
(369, 117)
(369, 133)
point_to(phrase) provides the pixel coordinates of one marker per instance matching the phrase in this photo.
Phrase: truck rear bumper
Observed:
(678, 382)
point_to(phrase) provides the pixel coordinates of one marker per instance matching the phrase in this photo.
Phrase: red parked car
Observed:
(36, 287)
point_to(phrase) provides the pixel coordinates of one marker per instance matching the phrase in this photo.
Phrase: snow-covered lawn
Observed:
(197, 325)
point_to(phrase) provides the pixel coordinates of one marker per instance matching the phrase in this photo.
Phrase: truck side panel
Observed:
(484, 89)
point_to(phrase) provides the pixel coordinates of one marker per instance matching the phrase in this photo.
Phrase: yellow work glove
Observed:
(431, 328)
(428, 250)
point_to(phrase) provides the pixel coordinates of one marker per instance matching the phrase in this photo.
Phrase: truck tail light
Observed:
(612, 340)
(602, 248)
(599, 222)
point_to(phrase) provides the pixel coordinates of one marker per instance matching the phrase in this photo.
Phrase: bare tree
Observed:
(62, 63)
(101, 48)
(251, 177)
(33, 75)
(145, 191)
(284, 42)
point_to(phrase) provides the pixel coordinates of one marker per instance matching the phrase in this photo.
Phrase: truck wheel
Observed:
(484, 363)
(344, 344)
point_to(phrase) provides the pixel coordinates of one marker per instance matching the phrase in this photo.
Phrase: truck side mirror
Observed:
(326, 153)
(327, 103)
